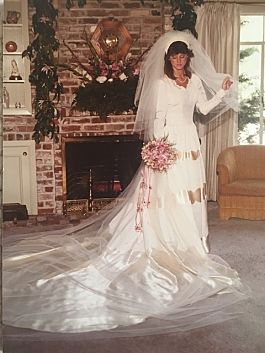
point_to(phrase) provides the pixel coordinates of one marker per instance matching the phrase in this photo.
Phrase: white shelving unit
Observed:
(16, 87)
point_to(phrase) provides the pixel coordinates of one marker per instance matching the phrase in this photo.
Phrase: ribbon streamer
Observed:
(143, 197)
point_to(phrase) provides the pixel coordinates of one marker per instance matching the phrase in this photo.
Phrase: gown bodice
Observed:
(176, 105)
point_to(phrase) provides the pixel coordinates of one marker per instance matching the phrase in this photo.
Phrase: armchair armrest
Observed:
(223, 174)
(226, 167)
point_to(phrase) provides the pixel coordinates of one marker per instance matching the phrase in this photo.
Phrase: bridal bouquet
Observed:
(159, 154)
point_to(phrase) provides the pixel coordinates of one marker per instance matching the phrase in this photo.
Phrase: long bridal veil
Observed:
(106, 277)
(119, 281)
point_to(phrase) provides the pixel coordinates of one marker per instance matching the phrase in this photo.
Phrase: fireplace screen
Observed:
(100, 167)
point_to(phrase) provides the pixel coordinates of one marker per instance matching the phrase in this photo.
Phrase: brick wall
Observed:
(143, 22)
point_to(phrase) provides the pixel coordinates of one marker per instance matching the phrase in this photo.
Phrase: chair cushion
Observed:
(247, 187)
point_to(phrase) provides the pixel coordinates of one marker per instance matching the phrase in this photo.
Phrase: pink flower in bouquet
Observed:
(159, 154)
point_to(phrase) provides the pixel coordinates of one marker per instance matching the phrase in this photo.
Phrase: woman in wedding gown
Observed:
(141, 267)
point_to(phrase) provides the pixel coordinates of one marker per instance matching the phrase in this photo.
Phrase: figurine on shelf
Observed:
(6, 98)
(15, 75)
(18, 105)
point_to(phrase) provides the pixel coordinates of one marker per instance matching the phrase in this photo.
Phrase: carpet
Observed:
(242, 244)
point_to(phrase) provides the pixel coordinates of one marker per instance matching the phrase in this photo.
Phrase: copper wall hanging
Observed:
(111, 40)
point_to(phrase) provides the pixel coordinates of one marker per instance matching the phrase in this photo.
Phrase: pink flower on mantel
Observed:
(103, 69)
(115, 67)
(115, 70)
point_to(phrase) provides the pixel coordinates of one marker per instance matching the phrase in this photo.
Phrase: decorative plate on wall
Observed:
(111, 40)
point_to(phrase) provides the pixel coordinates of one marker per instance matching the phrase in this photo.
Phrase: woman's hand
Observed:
(227, 82)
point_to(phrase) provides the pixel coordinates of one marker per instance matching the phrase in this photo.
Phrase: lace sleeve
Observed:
(203, 104)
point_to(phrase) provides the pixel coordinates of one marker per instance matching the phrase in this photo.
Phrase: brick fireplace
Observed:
(51, 176)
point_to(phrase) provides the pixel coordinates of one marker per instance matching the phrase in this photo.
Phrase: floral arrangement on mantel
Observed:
(42, 52)
(107, 86)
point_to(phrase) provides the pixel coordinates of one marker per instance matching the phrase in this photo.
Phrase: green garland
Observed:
(44, 74)
(184, 15)
(106, 98)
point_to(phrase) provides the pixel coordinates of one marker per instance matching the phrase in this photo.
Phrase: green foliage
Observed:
(184, 14)
(244, 79)
(44, 74)
(243, 22)
(106, 98)
(245, 53)
(249, 110)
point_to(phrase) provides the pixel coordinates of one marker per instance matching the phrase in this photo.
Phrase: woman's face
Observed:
(178, 61)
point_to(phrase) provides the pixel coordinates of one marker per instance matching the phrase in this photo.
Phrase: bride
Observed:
(141, 266)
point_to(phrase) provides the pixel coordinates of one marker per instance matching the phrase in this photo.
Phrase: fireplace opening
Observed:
(100, 166)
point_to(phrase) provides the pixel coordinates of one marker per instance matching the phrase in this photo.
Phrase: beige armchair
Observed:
(241, 182)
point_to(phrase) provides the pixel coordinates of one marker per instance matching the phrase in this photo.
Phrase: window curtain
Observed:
(218, 27)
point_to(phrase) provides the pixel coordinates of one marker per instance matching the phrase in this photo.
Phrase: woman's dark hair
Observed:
(177, 48)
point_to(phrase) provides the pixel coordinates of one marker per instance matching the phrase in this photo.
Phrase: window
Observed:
(251, 120)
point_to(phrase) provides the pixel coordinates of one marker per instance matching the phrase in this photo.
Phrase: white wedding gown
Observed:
(106, 275)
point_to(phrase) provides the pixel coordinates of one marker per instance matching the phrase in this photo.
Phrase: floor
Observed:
(239, 242)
